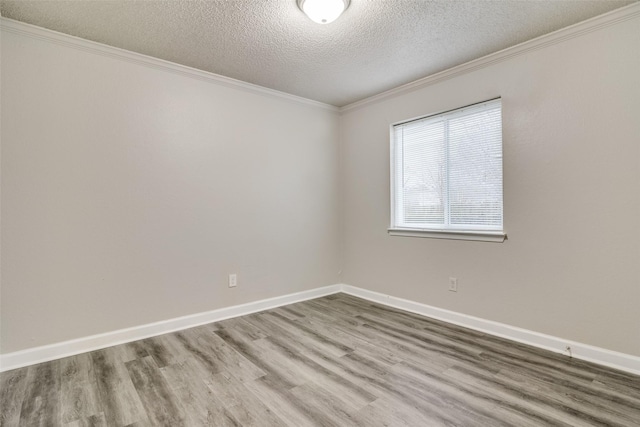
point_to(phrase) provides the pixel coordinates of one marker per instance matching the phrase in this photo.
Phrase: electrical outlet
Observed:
(453, 284)
(233, 280)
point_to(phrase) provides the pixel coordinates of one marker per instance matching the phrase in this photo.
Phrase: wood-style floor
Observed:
(333, 361)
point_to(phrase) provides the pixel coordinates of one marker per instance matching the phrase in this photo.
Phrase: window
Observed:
(446, 174)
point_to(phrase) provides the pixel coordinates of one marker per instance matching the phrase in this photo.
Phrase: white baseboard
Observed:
(46, 353)
(601, 356)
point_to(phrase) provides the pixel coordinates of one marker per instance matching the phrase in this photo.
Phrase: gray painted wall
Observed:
(571, 264)
(129, 194)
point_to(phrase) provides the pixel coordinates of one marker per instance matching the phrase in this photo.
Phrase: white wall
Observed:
(571, 264)
(129, 193)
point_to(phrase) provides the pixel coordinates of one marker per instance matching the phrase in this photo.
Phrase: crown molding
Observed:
(596, 23)
(43, 34)
(611, 18)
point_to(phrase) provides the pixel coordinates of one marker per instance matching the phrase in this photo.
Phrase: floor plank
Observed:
(12, 389)
(161, 405)
(40, 405)
(201, 405)
(78, 399)
(119, 399)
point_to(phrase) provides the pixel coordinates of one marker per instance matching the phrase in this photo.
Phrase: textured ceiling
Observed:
(375, 46)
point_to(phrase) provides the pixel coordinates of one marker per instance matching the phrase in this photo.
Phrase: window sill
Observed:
(481, 236)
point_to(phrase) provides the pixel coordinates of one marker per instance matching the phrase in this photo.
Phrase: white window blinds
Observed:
(447, 171)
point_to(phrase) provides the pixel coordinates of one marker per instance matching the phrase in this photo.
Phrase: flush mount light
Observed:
(323, 11)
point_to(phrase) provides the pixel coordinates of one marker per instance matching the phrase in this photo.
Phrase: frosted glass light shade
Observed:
(323, 11)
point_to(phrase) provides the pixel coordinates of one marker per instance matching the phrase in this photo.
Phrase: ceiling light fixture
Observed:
(323, 11)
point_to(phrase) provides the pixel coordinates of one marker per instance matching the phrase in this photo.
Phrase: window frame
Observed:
(443, 232)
